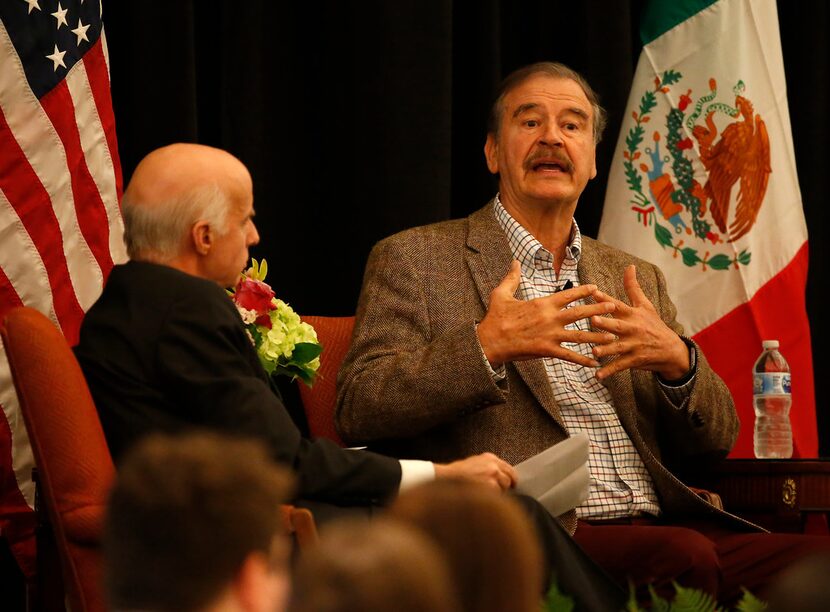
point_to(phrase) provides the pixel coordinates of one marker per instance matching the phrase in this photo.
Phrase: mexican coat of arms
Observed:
(698, 221)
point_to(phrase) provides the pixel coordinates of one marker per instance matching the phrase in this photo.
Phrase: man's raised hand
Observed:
(644, 341)
(514, 330)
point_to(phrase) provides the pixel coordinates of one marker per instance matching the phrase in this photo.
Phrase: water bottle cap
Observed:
(770, 344)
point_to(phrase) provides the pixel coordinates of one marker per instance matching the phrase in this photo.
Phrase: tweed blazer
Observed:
(415, 382)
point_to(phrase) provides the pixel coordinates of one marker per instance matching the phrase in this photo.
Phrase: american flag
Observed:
(60, 185)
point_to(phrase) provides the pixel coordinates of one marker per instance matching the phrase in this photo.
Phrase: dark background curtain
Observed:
(360, 119)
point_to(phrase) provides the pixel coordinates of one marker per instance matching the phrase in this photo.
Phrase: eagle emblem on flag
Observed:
(729, 144)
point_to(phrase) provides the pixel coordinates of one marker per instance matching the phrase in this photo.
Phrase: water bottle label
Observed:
(771, 383)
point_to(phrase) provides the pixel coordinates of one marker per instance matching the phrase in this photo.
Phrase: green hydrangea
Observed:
(289, 346)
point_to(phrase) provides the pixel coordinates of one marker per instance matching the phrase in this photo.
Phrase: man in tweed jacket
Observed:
(446, 361)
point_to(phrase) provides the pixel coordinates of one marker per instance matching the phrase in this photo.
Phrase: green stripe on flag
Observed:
(660, 16)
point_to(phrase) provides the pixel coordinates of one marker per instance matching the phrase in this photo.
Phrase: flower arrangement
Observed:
(284, 343)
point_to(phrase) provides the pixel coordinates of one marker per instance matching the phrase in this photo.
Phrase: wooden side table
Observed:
(784, 495)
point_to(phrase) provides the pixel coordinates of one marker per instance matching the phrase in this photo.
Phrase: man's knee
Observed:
(692, 557)
(656, 556)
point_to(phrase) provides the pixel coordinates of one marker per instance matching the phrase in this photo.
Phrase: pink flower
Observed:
(254, 295)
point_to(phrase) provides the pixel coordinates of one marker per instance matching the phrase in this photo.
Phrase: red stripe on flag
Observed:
(96, 69)
(733, 343)
(17, 521)
(30, 200)
(8, 296)
(89, 208)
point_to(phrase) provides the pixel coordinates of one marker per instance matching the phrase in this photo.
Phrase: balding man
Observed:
(164, 349)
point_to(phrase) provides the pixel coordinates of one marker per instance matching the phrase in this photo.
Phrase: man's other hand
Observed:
(514, 330)
(644, 341)
(485, 468)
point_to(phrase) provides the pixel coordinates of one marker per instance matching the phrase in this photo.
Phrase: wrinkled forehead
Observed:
(546, 90)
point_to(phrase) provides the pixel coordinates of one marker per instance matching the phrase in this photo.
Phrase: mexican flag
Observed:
(704, 185)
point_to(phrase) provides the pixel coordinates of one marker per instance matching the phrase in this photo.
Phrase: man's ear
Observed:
(202, 237)
(491, 154)
(594, 164)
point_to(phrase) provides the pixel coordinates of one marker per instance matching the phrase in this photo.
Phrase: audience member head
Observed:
(372, 567)
(194, 523)
(190, 207)
(494, 557)
(551, 69)
(802, 588)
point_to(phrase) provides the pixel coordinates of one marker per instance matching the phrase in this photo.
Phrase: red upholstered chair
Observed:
(319, 401)
(75, 470)
(74, 466)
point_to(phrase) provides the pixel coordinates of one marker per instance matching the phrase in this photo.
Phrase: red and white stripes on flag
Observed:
(60, 186)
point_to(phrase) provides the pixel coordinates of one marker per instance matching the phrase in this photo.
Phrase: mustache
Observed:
(549, 155)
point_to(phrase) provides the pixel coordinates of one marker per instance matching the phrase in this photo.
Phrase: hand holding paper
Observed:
(558, 477)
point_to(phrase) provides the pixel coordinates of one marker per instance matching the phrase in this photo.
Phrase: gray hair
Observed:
(552, 69)
(156, 231)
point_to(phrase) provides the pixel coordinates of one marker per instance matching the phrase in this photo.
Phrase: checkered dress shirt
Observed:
(620, 484)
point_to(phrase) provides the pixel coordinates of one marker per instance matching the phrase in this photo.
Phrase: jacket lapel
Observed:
(488, 257)
(488, 253)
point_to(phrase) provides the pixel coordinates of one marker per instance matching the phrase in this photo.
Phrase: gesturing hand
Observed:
(644, 341)
(485, 468)
(514, 330)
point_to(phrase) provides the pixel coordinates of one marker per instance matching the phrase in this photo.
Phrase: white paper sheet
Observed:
(558, 476)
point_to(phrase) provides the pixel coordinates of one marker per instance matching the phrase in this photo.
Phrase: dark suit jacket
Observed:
(165, 351)
(415, 383)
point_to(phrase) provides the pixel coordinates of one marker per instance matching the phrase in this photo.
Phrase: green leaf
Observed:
(750, 603)
(263, 270)
(647, 103)
(634, 138)
(670, 77)
(284, 370)
(294, 371)
(744, 257)
(658, 604)
(632, 177)
(719, 262)
(686, 600)
(253, 329)
(692, 600)
(663, 235)
(690, 256)
(556, 600)
(631, 605)
(639, 199)
(305, 351)
(268, 365)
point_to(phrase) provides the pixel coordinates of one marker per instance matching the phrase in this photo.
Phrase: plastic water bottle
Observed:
(771, 396)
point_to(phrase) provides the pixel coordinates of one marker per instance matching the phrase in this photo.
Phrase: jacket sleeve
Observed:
(707, 425)
(211, 371)
(402, 376)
